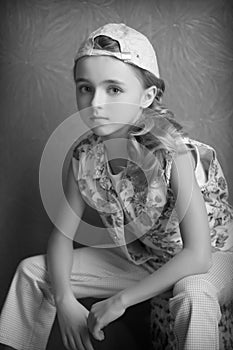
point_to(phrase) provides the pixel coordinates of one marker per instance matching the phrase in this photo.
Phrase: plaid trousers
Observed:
(29, 310)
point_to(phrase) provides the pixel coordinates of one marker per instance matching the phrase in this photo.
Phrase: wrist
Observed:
(121, 298)
(62, 298)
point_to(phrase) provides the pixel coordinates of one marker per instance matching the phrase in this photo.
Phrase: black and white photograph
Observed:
(116, 225)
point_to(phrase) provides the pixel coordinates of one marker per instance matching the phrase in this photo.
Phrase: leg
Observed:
(196, 301)
(101, 273)
(29, 310)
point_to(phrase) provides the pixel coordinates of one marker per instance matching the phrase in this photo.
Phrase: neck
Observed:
(117, 153)
(116, 148)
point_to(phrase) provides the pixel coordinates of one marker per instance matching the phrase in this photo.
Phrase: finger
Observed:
(78, 342)
(97, 332)
(101, 335)
(87, 341)
(95, 327)
(65, 341)
(73, 345)
(90, 321)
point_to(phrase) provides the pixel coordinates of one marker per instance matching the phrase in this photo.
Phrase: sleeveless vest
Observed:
(145, 211)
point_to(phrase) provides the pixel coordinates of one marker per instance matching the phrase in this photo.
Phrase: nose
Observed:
(98, 98)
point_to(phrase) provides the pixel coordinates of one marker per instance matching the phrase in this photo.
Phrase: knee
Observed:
(192, 294)
(30, 266)
(194, 287)
(25, 265)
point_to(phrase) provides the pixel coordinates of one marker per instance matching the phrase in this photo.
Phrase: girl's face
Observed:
(109, 95)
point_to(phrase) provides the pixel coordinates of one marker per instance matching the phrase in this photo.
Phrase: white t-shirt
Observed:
(115, 177)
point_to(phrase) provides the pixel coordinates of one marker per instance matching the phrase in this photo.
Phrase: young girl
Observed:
(162, 197)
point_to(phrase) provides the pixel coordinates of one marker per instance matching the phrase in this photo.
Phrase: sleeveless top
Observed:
(130, 207)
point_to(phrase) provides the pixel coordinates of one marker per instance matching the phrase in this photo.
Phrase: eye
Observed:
(83, 89)
(114, 90)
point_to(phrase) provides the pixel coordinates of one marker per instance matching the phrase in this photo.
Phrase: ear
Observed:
(148, 96)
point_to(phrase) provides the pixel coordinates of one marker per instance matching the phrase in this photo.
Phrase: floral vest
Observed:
(146, 211)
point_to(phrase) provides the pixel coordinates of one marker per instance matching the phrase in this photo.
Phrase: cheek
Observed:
(128, 113)
(122, 111)
(78, 100)
(83, 101)
(85, 114)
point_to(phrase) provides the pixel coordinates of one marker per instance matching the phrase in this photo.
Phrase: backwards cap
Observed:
(135, 48)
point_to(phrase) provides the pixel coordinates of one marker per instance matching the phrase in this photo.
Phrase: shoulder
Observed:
(182, 172)
(181, 158)
(203, 150)
(189, 151)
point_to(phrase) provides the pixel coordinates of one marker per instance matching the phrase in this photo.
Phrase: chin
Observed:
(104, 131)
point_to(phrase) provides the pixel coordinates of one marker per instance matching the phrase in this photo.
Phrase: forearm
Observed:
(60, 260)
(181, 265)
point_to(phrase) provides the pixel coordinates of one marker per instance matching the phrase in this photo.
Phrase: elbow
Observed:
(204, 263)
(205, 267)
(200, 262)
(209, 263)
(57, 239)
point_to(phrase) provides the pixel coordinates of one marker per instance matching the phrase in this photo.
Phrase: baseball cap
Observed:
(135, 48)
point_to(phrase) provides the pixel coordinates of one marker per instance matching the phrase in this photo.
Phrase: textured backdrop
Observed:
(38, 39)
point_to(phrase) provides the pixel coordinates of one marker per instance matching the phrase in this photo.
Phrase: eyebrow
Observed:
(108, 81)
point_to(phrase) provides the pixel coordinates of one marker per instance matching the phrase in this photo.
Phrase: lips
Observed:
(97, 118)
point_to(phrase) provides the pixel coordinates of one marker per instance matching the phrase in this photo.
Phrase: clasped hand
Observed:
(102, 313)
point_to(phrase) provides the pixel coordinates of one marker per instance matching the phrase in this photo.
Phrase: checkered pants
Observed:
(195, 305)
(29, 310)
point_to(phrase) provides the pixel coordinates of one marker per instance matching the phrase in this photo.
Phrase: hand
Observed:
(102, 313)
(72, 318)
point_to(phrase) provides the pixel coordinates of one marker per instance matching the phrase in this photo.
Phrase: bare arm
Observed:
(195, 257)
(60, 244)
(72, 315)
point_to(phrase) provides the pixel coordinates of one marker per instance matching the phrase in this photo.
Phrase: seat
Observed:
(162, 322)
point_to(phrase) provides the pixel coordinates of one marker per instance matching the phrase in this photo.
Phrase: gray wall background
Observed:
(38, 39)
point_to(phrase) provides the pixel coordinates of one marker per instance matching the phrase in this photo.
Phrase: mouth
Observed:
(97, 118)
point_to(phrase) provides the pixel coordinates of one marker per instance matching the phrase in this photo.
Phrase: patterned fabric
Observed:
(197, 313)
(226, 327)
(147, 209)
(162, 324)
